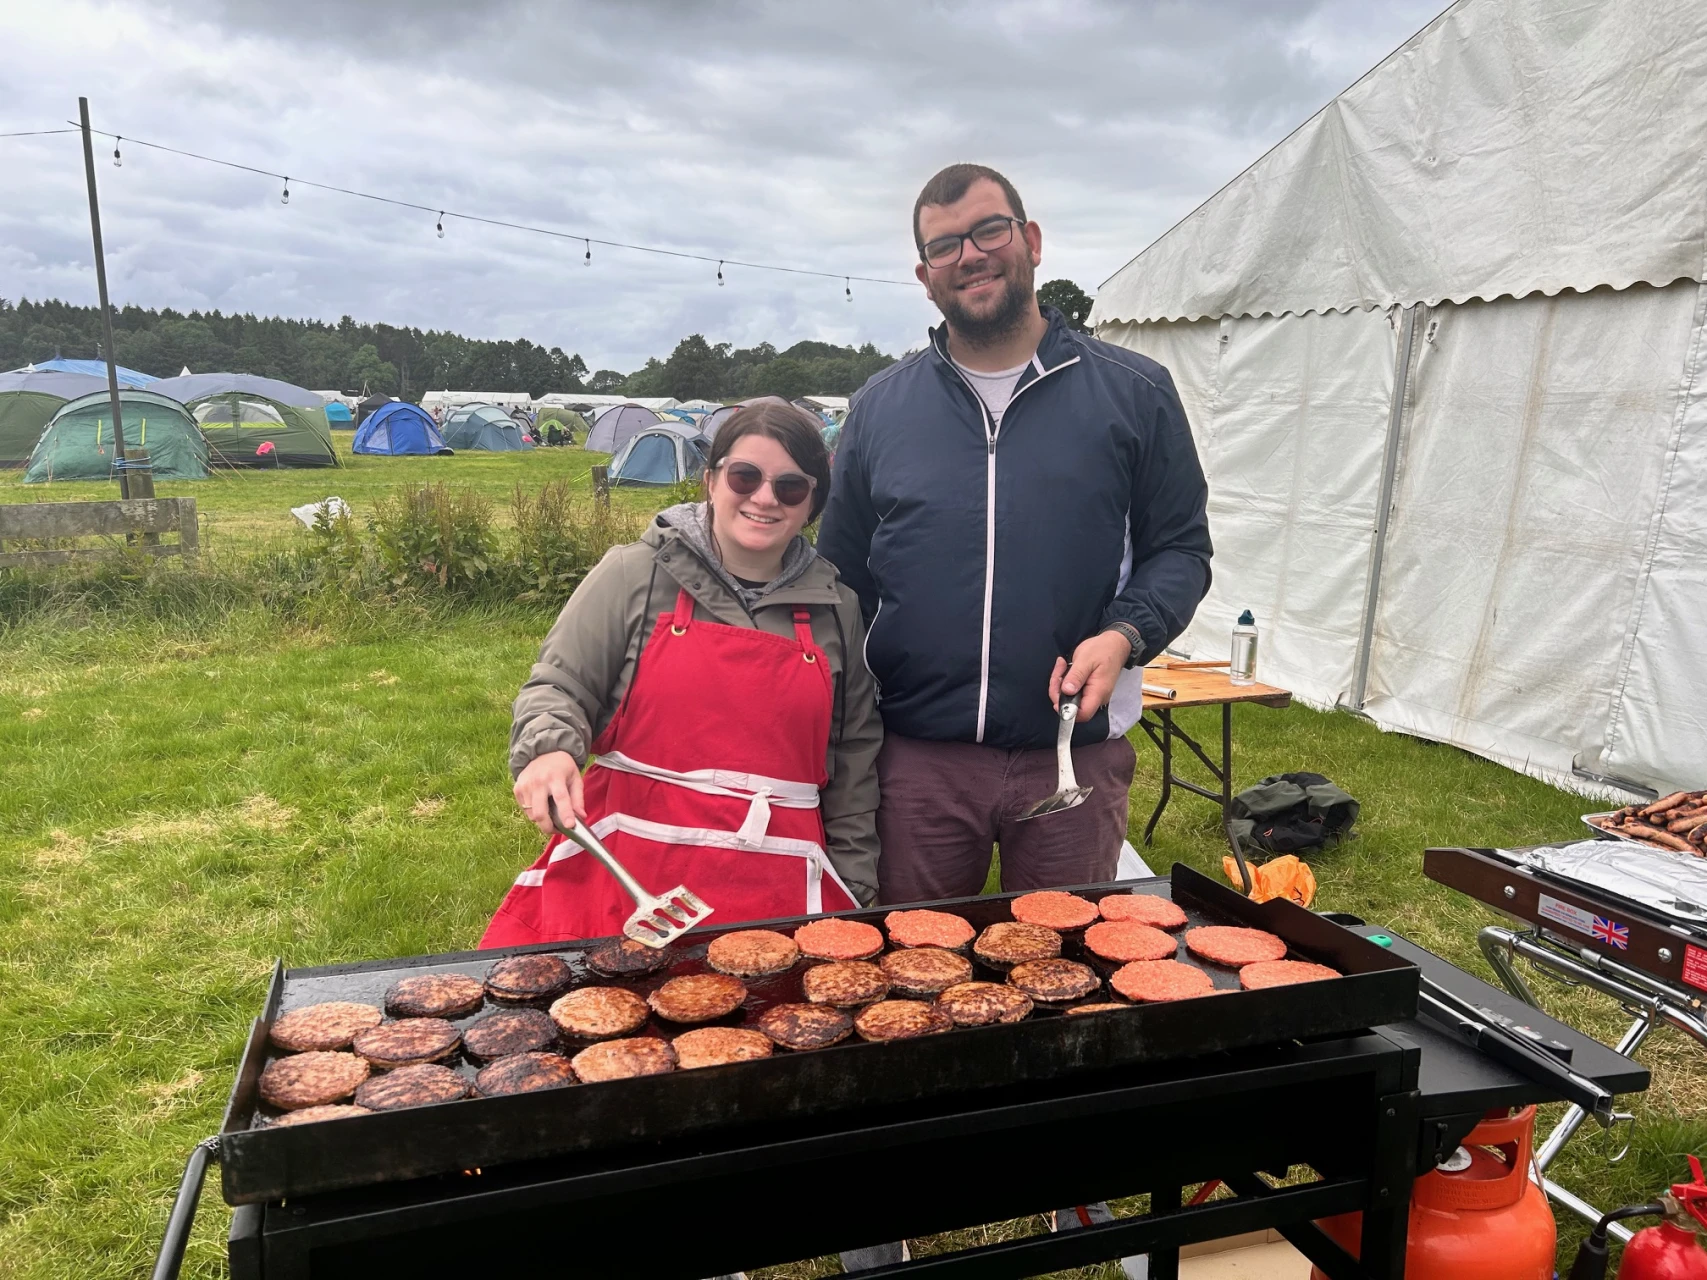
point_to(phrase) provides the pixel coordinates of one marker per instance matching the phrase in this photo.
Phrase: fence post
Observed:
(601, 486)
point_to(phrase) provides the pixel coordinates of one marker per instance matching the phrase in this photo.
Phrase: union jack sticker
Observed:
(1612, 933)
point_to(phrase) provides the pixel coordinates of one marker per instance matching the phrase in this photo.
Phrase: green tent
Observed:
(78, 443)
(28, 402)
(240, 428)
(568, 422)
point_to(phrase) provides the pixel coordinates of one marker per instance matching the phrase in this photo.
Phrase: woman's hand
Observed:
(550, 776)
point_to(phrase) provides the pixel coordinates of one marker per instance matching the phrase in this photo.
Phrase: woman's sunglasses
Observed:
(791, 488)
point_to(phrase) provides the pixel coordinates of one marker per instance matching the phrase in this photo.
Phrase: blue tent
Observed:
(338, 414)
(398, 427)
(94, 368)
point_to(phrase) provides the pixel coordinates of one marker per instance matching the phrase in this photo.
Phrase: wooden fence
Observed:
(138, 523)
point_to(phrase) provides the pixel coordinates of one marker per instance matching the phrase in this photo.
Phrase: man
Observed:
(1021, 510)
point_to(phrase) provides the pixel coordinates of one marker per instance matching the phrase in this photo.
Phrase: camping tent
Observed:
(619, 424)
(78, 443)
(90, 368)
(661, 455)
(1452, 397)
(396, 428)
(483, 427)
(370, 405)
(568, 422)
(338, 416)
(240, 414)
(28, 402)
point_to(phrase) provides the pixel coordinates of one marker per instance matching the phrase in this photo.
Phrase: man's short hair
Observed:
(952, 183)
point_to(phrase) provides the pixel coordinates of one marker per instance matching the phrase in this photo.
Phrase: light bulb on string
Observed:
(720, 273)
(118, 160)
(588, 260)
(441, 224)
(285, 198)
(847, 287)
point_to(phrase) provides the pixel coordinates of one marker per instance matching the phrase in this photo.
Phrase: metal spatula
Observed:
(1068, 794)
(657, 922)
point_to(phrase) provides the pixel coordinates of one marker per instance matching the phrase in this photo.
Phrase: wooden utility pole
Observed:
(106, 310)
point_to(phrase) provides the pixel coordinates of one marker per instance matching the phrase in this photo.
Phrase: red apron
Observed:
(747, 835)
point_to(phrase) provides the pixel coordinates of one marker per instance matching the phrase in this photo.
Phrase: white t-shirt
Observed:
(994, 389)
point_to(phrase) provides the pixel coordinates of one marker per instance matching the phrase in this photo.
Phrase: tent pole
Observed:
(106, 310)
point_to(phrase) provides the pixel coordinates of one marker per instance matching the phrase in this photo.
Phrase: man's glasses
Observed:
(791, 488)
(989, 235)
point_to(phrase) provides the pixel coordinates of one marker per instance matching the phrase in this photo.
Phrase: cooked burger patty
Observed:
(1053, 909)
(311, 1079)
(924, 971)
(1281, 973)
(313, 1115)
(1054, 981)
(599, 1013)
(838, 940)
(435, 995)
(1126, 940)
(752, 953)
(1233, 946)
(621, 1059)
(714, 1046)
(508, 1031)
(406, 1042)
(900, 1020)
(1004, 945)
(626, 958)
(523, 1073)
(844, 983)
(536, 977)
(928, 929)
(418, 1086)
(698, 997)
(804, 1026)
(1143, 908)
(982, 1004)
(1160, 980)
(323, 1026)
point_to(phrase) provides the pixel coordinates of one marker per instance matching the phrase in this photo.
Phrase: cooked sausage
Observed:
(1664, 839)
(1665, 804)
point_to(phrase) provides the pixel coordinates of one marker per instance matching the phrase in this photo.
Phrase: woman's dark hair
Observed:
(794, 429)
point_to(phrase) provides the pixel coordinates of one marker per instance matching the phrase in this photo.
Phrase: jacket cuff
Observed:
(543, 741)
(1141, 619)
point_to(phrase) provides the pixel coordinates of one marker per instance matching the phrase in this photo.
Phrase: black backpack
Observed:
(1290, 812)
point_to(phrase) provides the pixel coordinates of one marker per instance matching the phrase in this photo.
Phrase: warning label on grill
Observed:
(1695, 966)
(1564, 913)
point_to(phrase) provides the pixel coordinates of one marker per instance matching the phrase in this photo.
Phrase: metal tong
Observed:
(657, 921)
(1068, 793)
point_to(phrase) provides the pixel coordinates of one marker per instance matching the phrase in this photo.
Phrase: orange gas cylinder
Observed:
(1477, 1216)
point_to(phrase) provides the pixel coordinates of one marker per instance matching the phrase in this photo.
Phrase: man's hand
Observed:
(552, 775)
(1097, 664)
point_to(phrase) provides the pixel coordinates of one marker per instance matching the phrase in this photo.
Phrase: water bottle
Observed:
(1243, 668)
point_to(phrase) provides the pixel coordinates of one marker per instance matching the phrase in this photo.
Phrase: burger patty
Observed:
(523, 1073)
(508, 1031)
(1101, 1006)
(1054, 981)
(1004, 945)
(900, 1020)
(804, 1026)
(599, 1013)
(417, 1086)
(1152, 980)
(838, 940)
(925, 971)
(844, 983)
(435, 995)
(311, 1079)
(623, 1059)
(699, 997)
(752, 953)
(1142, 908)
(1232, 946)
(928, 929)
(1053, 909)
(983, 1004)
(626, 958)
(535, 977)
(1126, 940)
(313, 1115)
(1281, 973)
(407, 1042)
(323, 1026)
(715, 1046)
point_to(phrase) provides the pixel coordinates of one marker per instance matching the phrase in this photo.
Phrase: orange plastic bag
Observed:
(1282, 877)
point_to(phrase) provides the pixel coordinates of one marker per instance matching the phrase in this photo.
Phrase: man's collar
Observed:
(1052, 348)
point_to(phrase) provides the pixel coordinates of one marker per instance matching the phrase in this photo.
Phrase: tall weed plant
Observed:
(432, 534)
(560, 536)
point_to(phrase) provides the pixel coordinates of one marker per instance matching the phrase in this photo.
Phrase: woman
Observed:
(716, 669)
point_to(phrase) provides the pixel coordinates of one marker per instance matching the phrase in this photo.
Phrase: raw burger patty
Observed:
(621, 1059)
(844, 983)
(599, 1013)
(1004, 945)
(1125, 940)
(508, 1031)
(980, 1004)
(1280, 973)
(752, 953)
(435, 995)
(419, 1086)
(535, 977)
(1142, 908)
(324, 1026)
(626, 958)
(523, 1073)
(699, 997)
(1053, 909)
(1160, 980)
(900, 1020)
(928, 929)
(838, 940)
(1053, 981)
(312, 1115)
(804, 1026)
(311, 1079)
(406, 1042)
(714, 1046)
(925, 971)
(1234, 947)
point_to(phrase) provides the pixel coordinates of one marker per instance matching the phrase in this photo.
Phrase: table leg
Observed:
(1164, 740)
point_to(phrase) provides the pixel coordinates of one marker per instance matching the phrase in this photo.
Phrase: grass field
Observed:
(182, 803)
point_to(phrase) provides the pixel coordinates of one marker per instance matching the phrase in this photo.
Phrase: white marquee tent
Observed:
(1444, 351)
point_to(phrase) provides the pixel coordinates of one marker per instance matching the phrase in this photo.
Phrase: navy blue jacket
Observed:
(980, 556)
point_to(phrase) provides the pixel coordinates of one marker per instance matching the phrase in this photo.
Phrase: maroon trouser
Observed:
(946, 804)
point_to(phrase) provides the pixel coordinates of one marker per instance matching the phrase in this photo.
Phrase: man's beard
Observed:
(1006, 319)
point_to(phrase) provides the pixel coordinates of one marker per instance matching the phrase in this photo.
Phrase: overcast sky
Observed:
(796, 133)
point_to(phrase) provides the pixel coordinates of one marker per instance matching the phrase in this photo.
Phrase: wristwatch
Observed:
(1130, 632)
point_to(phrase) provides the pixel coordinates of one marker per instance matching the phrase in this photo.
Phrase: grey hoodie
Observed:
(693, 521)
